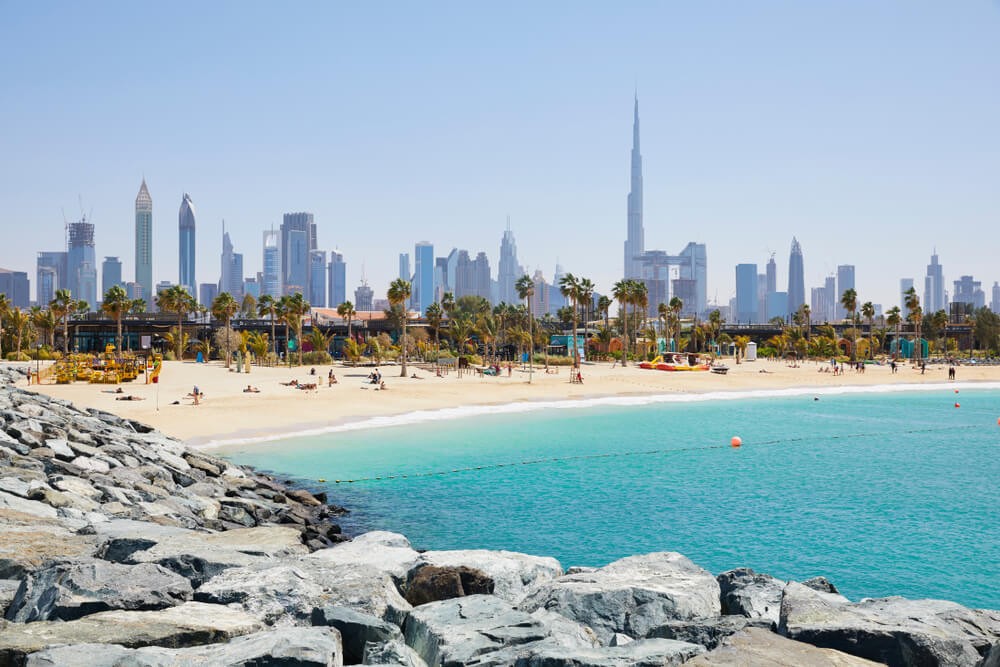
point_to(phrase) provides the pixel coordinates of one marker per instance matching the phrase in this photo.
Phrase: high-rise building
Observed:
(298, 239)
(144, 240)
(934, 297)
(540, 298)
(905, 285)
(845, 281)
(231, 276)
(796, 278)
(771, 276)
(363, 297)
(995, 299)
(186, 225)
(481, 276)
(111, 274)
(634, 240)
(422, 290)
(51, 275)
(776, 306)
(272, 274)
(207, 293)
(509, 270)
(338, 279)
(746, 293)
(404, 267)
(967, 290)
(693, 265)
(81, 262)
(317, 277)
(251, 287)
(16, 286)
(830, 312)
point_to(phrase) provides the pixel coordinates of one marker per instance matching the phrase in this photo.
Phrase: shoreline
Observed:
(220, 446)
(230, 417)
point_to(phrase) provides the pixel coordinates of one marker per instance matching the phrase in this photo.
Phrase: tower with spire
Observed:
(634, 241)
(144, 243)
(186, 227)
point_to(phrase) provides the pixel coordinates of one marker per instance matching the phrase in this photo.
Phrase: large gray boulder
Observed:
(632, 595)
(757, 646)
(68, 589)
(707, 632)
(639, 653)
(189, 624)
(29, 541)
(289, 647)
(514, 574)
(287, 591)
(894, 630)
(389, 552)
(357, 630)
(466, 630)
(750, 594)
(394, 653)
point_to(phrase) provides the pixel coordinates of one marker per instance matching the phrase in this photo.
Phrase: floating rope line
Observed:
(647, 452)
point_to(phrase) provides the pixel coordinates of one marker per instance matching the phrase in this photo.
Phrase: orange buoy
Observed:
(957, 405)
(737, 440)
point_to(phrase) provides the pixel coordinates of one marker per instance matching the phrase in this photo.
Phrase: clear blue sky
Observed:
(867, 128)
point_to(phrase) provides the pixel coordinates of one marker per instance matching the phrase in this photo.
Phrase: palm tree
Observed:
(20, 322)
(266, 305)
(448, 304)
(807, 316)
(868, 312)
(116, 304)
(248, 307)
(640, 302)
(741, 343)
(399, 294)
(461, 329)
(621, 291)
(603, 306)
(894, 319)
(175, 299)
(434, 316)
(525, 287)
(63, 306)
(281, 308)
(569, 287)
(224, 307)
(295, 307)
(916, 316)
(676, 306)
(940, 321)
(4, 312)
(346, 311)
(45, 323)
(587, 299)
(849, 300)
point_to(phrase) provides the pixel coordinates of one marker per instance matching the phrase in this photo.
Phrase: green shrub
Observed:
(317, 358)
(555, 361)
(14, 356)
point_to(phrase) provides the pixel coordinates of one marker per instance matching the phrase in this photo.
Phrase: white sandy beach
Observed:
(228, 413)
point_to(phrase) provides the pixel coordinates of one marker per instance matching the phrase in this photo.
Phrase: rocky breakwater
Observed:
(119, 546)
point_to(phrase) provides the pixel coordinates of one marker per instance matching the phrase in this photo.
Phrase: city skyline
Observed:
(762, 126)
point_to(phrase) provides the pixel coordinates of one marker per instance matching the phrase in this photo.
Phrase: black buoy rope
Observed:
(647, 452)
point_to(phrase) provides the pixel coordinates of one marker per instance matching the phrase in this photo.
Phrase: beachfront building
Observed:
(635, 244)
(796, 278)
(272, 281)
(144, 240)
(337, 287)
(16, 286)
(298, 240)
(231, 278)
(934, 296)
(317, 278)
(111, 274)
(186, 228)
(845, 281)
(422, 287)
(81, 261)
(746, 293)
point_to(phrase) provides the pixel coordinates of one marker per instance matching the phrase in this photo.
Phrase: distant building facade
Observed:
(111, 274)
(337, 287)
(144, 240)
(187, 244)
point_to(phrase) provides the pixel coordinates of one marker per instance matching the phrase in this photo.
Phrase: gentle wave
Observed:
(446, 414)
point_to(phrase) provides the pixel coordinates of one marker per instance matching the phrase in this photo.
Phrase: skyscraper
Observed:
(746, 293)
(81, 261)
(967, 290)
(634, 241)
(771, 276)
(363, 297)
(16, 286)
(796, 278)
(51, 275)
(509, 270)
(934, 299)
(144, 241)
(404, 266)
(338, 279)
(905, 285)
(422, 290)
(231, 275)
(298, 239)
(995, 300)
(317, 278)
(845, 281)
(186, 225)
(272, 282)
(111, 274)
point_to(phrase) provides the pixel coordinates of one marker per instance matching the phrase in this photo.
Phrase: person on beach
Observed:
(951, 372)
(196, 393)
(130, 397)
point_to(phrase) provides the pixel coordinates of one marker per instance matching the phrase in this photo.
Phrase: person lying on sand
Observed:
(306, 386)
(129, 397)
(251, 390)
(290, 383)
(382, 386)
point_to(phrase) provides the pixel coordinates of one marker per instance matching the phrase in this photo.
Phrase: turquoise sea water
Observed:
(894, 493)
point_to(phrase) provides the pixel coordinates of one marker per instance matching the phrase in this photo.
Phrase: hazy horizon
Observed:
(868, 131)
